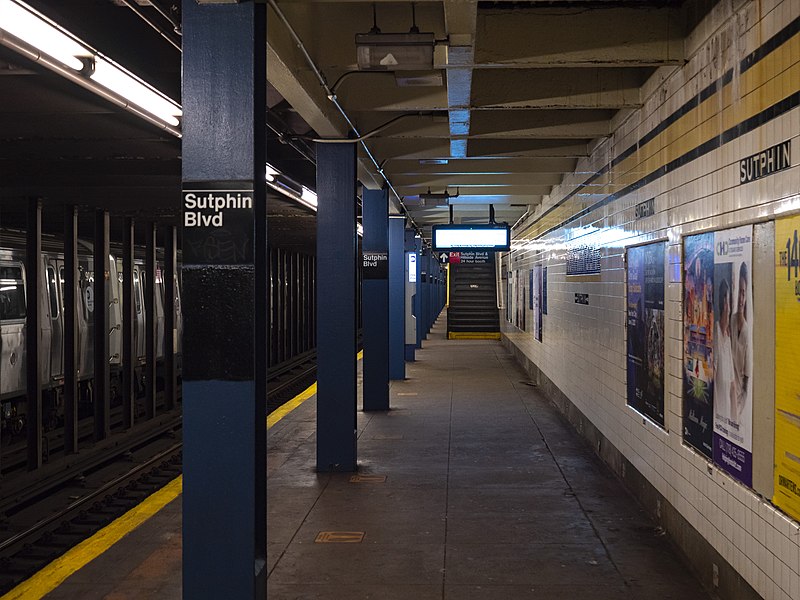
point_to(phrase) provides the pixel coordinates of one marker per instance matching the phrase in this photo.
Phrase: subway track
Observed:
(54, 511)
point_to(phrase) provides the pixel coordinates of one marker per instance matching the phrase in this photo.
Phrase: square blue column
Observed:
(336, 307)
(375, 298)
(224, 302)
(397, 366)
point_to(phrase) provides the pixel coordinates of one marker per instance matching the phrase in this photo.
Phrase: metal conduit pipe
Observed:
(332, 97)
(141, 14)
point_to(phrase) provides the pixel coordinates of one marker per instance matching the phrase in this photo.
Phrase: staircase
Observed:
(472, 312)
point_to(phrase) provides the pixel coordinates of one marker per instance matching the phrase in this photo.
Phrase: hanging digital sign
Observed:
(472, 237)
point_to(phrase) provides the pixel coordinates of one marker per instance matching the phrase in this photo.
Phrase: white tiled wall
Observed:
(584, 347)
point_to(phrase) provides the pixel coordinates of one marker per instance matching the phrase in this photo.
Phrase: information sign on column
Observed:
(217, 223)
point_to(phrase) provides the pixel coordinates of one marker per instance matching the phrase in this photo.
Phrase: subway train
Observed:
(13, 356)
(292, 324)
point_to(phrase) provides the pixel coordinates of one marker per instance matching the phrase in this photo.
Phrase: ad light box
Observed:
(472, 237)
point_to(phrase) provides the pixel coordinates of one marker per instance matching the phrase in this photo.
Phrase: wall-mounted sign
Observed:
(376, 265)
(583, 260)
(581, 298)
(769, 161)
(217, 223)
(412, 267)
(470, 258)
(646, 208)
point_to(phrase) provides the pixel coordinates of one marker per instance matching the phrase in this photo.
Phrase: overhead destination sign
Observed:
(472, 237)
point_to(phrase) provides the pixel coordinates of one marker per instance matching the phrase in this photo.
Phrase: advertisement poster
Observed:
(645, 318)
(510, 297)
(698, 339)
(521, 304)
(732, 356)
(544, 290)
(787, 370)
(536, 301)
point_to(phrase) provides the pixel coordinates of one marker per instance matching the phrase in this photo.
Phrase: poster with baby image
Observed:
(732, 352)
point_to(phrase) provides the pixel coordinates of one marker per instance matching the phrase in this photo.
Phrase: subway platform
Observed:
(471, 487)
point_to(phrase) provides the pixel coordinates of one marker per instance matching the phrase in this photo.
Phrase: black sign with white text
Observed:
(217, 223)
(774, 159)
(376, 265)
(581, 298)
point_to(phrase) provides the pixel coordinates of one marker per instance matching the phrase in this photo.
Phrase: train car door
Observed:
(46, 337)
(139, 334)
(12, 328)
(56, 304)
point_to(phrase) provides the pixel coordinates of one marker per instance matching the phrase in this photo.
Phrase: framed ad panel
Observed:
(645, 324)
(787, 366)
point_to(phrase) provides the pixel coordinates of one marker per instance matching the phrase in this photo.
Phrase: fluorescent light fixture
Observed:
(34, 29)
(395, 51)
(472, 237)
(272, 172)
(121, 82)
(33, 35)
(309, 196)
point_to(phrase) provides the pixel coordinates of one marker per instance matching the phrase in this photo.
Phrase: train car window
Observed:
(52, 292)
(137, 294)
(62, 281)
(12, 293)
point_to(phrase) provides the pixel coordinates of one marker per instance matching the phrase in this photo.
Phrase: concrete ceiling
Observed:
(526, 89)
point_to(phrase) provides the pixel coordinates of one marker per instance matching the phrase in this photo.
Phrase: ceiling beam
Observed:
(576, 37)
(558, 88)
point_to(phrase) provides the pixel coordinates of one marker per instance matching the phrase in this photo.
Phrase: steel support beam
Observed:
(375, 299)
(224, 304)
(72, 303)
(102, 296)
(397, 319)
(33, 290)
(151, 321)
(170, 317)
(336, 312)
(128, 321)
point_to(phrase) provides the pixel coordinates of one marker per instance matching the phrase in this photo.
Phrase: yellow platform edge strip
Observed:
(54, 574)
(473, 335)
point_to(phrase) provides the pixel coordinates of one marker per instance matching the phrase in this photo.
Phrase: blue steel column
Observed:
(375, 302)
(225, 307)
(413, 244)
(422, 290)
(336, 307)
(397, 317)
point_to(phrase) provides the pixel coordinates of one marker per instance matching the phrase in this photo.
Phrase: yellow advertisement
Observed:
(787, 359)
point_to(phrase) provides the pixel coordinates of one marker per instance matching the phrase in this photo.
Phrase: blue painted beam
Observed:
(375, 299)
(224, 304)
(397, 317)
(336, 307)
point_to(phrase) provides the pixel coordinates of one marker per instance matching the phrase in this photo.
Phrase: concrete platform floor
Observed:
(487, 495)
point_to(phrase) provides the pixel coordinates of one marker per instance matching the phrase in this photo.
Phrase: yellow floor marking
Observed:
(277, 414)
(339, 537)
(54, 574)
(49, 578)
(284, 410)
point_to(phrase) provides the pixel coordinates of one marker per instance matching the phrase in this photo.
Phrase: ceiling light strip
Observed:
(33, 35)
